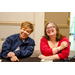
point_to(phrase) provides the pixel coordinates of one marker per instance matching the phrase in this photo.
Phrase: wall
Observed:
(61, 19)
(57, 17)
(17, 16)
(10, 23)
(39, 28)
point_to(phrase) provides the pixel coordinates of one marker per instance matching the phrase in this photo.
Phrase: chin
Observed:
(24, 37)
(51, 34)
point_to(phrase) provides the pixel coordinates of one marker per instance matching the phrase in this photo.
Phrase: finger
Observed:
(7, 56)
(17, 59)
(39, 56)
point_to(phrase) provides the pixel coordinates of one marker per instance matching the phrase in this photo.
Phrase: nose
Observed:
(50, 28)
(25, 32)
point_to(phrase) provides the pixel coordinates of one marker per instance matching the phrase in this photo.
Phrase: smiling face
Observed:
(26, 29)
(50, 29)
(24, 33)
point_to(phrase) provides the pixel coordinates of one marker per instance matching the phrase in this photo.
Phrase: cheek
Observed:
(55, 32)
(21, 31)
(27, 34)
(46, 32)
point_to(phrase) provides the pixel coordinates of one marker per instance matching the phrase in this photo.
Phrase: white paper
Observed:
(46, 60)
(0, 60)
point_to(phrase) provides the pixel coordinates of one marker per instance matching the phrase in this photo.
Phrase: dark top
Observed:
(14, 44)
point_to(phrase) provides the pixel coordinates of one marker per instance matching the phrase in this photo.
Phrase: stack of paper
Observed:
(46, 60)
(0, 60)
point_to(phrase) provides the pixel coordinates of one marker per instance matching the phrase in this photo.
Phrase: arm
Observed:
(55, 56)
(44, 47)
(6, 47)
(63, 53)
(49, 57)
(62, 46)
(17, 53)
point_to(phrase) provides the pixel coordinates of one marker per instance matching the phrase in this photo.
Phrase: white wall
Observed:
(6, 30)
(17, 16)
(9, 24)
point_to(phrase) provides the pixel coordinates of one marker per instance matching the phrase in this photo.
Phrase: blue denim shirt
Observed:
(14, 44)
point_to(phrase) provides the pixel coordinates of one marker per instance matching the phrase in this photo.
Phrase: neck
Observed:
(22, 39)
(53, 38)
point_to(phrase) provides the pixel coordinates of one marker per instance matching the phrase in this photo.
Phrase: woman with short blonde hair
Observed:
(19, 45)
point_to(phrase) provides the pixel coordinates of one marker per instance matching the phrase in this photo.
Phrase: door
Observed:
(61, 19)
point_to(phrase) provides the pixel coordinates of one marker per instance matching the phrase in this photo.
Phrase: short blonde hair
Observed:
(28, 24)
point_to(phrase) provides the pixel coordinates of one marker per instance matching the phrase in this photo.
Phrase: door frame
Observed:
(39, 28)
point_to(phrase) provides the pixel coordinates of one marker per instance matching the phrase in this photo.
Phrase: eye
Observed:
(53, 26)
(28, 31)
(23, 29)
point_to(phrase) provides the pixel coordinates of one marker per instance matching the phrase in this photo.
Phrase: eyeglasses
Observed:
(50, 27)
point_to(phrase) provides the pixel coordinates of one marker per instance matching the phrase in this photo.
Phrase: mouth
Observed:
(24, 35)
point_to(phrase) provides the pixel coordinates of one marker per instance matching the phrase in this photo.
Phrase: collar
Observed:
(25, 42)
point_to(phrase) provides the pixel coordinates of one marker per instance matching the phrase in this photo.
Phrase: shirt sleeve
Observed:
(44, 48)
(17, 53)
(65, 52)
(6, 47)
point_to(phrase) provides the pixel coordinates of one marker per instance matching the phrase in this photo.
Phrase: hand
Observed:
(63, 45)
(42, 57)
(10, 54)
(14, 58)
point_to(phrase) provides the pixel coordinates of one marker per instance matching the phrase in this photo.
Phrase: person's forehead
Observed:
(26, 27)
(50, 24)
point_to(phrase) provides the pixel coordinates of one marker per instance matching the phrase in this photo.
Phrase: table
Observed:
(34, 59)
(27, 59)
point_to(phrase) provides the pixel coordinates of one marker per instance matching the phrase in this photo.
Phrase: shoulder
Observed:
(13, 37)
(65, 39)
(43, 39)
(30, 39)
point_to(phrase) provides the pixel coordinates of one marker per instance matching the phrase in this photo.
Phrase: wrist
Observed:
(60, 48)
(57, 48)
